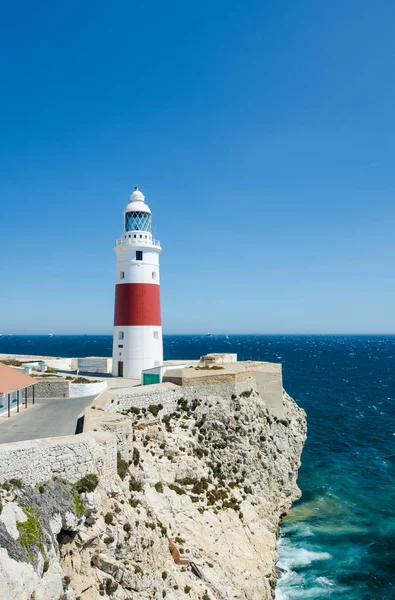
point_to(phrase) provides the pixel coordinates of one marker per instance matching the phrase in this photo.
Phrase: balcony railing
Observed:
(138, 241)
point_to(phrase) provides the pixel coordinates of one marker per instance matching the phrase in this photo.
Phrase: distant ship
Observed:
(50, 335)
(209, 334)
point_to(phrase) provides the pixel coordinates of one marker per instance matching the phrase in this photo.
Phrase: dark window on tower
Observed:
(139, 255)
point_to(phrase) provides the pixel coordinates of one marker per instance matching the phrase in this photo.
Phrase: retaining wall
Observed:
(54, 388)
(69, 457)
(168, 395)
(60, 388)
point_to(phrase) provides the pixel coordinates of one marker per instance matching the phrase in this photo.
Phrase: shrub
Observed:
(138, 570)
(127, 527)
(41, 489)
(122, 466)
(187, 481)
(87, 484)
(187, 589)
(108, 540)
(111, 587)
(81, 380)
(134, 485)
(108, 518)
(46, 565)
(178, 490)
(16, 483)
(164, 575)
(66, 580)
(136, 457)
(154, 409)
(179, 540)
(159, 487)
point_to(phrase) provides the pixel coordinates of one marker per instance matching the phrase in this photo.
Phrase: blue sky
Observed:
(261, 133)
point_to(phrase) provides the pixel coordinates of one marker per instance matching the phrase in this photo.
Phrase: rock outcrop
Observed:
(194, 513)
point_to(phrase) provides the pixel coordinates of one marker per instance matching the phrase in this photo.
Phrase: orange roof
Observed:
(12, 380)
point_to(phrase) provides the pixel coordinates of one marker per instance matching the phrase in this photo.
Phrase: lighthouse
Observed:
(137, 342)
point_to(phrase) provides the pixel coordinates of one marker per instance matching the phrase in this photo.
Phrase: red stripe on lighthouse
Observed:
(137, 304)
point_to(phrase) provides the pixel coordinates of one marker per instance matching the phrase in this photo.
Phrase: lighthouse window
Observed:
(139, 255)
(137, 221)
(121, 335)
(122, 275)
(156, 335)
(153, 274)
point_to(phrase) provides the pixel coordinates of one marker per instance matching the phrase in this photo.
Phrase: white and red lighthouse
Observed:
(137, 342)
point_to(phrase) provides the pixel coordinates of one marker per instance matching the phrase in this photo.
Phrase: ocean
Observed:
(338, 540)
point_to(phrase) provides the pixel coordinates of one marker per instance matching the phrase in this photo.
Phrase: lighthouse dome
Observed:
(137, 202)
(137, 213)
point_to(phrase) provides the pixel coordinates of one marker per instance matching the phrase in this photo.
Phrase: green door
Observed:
(149, 378)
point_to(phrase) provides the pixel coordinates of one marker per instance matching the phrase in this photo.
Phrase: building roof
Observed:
(12, 380)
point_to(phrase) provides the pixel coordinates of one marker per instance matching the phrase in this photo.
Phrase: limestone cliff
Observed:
(194, 513)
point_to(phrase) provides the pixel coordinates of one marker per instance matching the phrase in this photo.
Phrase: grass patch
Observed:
(78, 505)
(30, 531)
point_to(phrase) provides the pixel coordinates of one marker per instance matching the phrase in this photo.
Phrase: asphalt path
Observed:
(47, 418)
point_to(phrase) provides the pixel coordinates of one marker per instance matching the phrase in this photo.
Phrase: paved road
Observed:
(47, 418)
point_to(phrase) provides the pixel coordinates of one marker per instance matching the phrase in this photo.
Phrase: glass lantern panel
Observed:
(137, 221)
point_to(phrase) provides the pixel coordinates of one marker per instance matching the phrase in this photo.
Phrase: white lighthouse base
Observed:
(136, 348)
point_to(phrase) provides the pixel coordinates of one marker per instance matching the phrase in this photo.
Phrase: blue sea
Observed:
(338, 541)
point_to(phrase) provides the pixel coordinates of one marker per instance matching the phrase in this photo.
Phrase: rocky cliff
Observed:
(194, 513)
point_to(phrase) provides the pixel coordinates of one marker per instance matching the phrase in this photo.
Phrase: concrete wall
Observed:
(95, 364)
(69, 457)
(64, 364)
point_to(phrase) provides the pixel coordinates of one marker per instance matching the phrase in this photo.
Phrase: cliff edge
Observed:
(204, 476)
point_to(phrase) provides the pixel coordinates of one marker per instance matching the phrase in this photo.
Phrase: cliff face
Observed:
(195, 514)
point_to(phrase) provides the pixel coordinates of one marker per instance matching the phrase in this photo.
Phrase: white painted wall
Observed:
(140, 349)
(138, 271)
(78, 390)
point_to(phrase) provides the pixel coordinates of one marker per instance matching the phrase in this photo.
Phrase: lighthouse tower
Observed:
(137, 342)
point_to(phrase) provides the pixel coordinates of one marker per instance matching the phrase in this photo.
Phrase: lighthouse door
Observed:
(120, 368)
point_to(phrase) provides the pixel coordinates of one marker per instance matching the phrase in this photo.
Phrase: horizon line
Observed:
(8, 335)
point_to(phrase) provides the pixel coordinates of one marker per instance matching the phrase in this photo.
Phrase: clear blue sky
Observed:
(262, 134)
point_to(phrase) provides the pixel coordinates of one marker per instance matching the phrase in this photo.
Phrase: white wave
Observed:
(291, 557)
